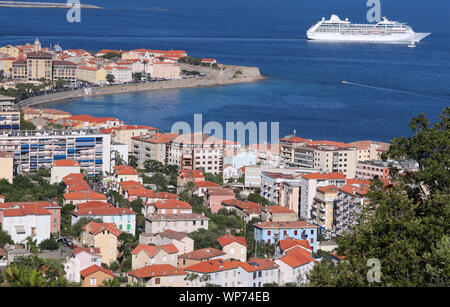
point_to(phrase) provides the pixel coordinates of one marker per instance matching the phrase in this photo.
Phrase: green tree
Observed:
(110, 78)
(49, 244)
(111, 55)
(5, 238)
(406, 224)
(132, 161)
(115, 283)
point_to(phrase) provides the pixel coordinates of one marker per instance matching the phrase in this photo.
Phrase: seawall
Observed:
(226, 75)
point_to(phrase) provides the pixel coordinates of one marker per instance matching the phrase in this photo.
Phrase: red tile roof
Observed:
(91, 195)
(278, 209)
(228, 239)
(157, 270)
(96, 228)
(296, 257)
(215, 265)
(94, 204)
(78, 250)
(201, 254)
(94, 268)
(323, 176)
(66, 162)
(327, 189)
(104, 211)
(206, 184)
(288, 243)
(151, 250)
(125, 170)
(172, 204)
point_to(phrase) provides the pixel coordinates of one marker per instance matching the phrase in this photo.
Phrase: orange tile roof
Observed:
(206, 184)
(91, 195)
(291, 242)
(125, 170)
(94, 205)
(228, 239)
(104, 211)
(151, 250)
(128, 184)
(204, 253)
(264, 262)
(172, 204)
(166, 195)
(323, 176)
(96, 228)
(296, 257)
(22, 209)
(278, 209)
(66, 163)
(157, 270)
(215, 265)
(353, 190)
(94, 268)
(327, 189)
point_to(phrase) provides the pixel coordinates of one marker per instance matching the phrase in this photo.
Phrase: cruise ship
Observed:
(385, 31)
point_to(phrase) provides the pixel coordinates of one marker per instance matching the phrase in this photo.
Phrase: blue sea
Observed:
(303, 90)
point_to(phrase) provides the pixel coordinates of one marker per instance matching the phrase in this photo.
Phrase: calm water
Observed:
(304, 89)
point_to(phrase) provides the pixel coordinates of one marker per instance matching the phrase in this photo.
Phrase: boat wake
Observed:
(391, 90)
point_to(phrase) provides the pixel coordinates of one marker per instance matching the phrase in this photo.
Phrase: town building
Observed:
(322, 210)
(234, 247)
(276, 213)
(81, 259)
(37, 220)
(257, 272)
(103, 236)
(62, 168)
(199, 255)
(144, 255)
(196, 151)
(65, 71)
(271, 232)
(182, 242)
(158, 275)
(372, 169)
(219, 272)
(6, 166)
(176, 222)
(151, 147)
(35, 149)
(9, 119)
(95, 276)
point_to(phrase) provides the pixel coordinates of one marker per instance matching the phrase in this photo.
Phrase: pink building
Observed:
(214, 198)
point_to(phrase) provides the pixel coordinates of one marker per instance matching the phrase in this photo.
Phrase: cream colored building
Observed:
(162, 70)
(39, 65)
(10, 50)
(233, 247)
(158, 275)
(322, 212)
(92, 75)
(125, 133)
(151, 147)
(7, 66)
(144, 255)
(62, 168)
(182, 242)
(6, 166)
(103, 236)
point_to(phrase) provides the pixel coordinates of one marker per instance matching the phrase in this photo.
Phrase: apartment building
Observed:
(124, 133)
(144, 255)
(308, 187)
(39, 65)
(196, 151)
(9, 119)
(257, 272)
(271, 232)
(6, 166)
(164, 70)
(322, 210)
(371, 169)
(124, 219)
(176, 222)
(151, 147)
(103, 236)
(35, 149)
(369, 150)
(19, 70)
(92, 75)
(217, 272)
(350, 201)
(64, 70)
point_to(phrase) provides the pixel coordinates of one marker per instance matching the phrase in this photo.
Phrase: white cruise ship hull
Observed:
(367, 38)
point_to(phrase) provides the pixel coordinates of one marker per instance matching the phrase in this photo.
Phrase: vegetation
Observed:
(132, 161)
(36, 272)
(216, 178)
(24, 125)
(49, 244)
(5, 238)
(406, 226)
(111, 55)
(190, 60)
(110, 78)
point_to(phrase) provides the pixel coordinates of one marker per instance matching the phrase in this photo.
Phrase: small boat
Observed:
(412, 45)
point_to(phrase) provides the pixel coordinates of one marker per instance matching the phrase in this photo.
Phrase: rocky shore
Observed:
(227, 74)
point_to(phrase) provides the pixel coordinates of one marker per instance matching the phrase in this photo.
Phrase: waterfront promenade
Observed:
(227, 75)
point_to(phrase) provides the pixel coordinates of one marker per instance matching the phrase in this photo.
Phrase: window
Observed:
(295, 232)
(268, 241)
(93, 281)
(269, 233)
(157, 281)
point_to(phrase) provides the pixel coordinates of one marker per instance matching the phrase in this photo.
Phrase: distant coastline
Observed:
(229, 74)
(47, 5)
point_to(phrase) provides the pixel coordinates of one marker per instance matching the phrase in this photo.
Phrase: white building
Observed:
(62, 168)
(257, 272)
(295, 265)
(217, 271)
(27, 220)
(81, 259)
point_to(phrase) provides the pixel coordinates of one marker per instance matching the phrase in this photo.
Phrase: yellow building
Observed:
(94, 276)
(10, 50)
(93, 75)
(323, 206)
(64, 70)
(19, 71)
(103, 236)
(39, 65)
(6, 64)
